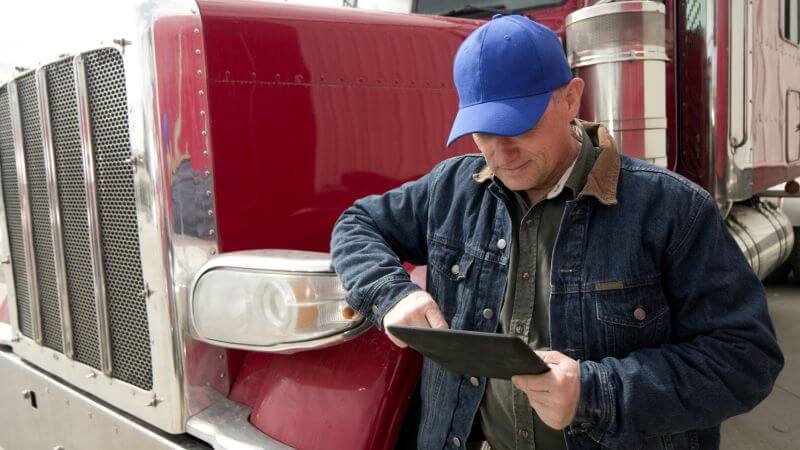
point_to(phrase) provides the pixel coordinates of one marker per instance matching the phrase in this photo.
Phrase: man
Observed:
(658, 326)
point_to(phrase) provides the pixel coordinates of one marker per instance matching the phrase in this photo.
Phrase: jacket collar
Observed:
(601, 183)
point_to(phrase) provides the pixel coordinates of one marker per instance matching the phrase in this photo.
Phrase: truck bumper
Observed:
(38, 411)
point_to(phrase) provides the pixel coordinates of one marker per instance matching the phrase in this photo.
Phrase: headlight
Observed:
(271, 300)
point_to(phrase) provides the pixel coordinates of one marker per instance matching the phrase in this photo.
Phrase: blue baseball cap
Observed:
(505, 73)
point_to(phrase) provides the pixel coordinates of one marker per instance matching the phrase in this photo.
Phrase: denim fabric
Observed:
(648, 290)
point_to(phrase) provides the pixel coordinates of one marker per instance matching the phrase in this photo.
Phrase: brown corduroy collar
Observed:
(601, 183)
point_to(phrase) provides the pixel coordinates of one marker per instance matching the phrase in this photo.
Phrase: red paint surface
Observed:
(334, 398)
(311, 109)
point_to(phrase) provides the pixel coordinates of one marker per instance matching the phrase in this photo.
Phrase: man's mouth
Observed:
(516, 169)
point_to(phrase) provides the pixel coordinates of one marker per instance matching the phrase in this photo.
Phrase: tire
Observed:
(794, 258)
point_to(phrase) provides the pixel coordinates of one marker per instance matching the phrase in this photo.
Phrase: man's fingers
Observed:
(541, 382)
(435, 318)
(550, 356)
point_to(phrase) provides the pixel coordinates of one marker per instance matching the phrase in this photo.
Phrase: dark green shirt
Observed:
(507, 419)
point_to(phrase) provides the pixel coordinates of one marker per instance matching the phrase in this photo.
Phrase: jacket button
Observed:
(375, 309)
(488, 313)
(523, 433)
(639, 313)
(455, 269)
(501, 244)
(457, 441)
(474, 381)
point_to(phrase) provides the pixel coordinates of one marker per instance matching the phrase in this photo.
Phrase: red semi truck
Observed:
(168, 197)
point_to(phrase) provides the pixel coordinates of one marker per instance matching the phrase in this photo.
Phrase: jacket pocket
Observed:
(631, 315)
(449, 269)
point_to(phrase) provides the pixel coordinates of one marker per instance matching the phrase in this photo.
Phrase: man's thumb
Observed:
(435, 317)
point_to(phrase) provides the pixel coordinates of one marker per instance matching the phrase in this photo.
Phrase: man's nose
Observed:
(506, 152)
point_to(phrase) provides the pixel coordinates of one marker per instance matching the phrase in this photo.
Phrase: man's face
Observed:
(534, 159)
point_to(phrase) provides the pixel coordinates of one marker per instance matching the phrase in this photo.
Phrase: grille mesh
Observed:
(130, 343)
(74, 223)
(40, 211)
(13, 215)
(119, 228)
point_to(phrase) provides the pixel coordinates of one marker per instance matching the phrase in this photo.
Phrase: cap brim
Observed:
(508, 117)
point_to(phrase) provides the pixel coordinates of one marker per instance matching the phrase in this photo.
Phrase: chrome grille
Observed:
(14, 216)
(42, 232)
(121, 271)
(72, 200)
(130, 343)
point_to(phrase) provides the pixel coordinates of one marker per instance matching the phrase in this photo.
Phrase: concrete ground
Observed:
(775, 423)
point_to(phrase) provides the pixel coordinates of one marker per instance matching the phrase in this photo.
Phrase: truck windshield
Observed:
(443, 7)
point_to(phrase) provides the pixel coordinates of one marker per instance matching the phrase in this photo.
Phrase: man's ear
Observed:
(573, 92)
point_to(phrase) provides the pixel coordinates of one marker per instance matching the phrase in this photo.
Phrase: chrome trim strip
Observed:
(55, 211)
(226, 425)
(603, 9)
(87, 145)
(25, 211)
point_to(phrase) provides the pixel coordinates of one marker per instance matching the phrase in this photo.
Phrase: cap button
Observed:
(496, 16)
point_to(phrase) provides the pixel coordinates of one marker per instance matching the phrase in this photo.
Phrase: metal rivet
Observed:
(213, 251)
(211, 232)
(375, 309)
(221, 375)
(208, 193)
(526, 275)
(523, 433)
(26, 394)
(201, 92)
(203, 112)
(455, 269)
(639, 313)
(488, 313)
(196, 30)
(501, 244)
(457, 441)
(221, 356)
(197, 51)
(205, 152)
(474, 381)
(199, 72)
(204, 133)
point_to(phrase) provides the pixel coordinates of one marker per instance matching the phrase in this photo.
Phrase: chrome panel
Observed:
(764, 234)
(25, 207)
(92, 213)
(294, 261)
(294, 347)
(739, 163)
(618, 49)
(225, 425)
(602, 9)
(169, 258)
(67, 418)
(55, 215)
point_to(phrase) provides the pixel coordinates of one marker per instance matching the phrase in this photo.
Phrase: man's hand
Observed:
(555, 394)
(418, 309)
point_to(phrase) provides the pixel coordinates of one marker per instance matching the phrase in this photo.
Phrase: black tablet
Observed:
(473, 353)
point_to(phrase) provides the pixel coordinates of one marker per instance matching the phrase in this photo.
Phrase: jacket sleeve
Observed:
(722, 358)
(372, 238)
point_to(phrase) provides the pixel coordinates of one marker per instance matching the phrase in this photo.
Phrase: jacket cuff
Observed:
(596, 412)
(381, 297)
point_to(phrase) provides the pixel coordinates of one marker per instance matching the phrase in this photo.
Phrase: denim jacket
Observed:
(648, 291)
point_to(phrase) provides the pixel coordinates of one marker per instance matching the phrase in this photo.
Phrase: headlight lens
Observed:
(245, 306)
